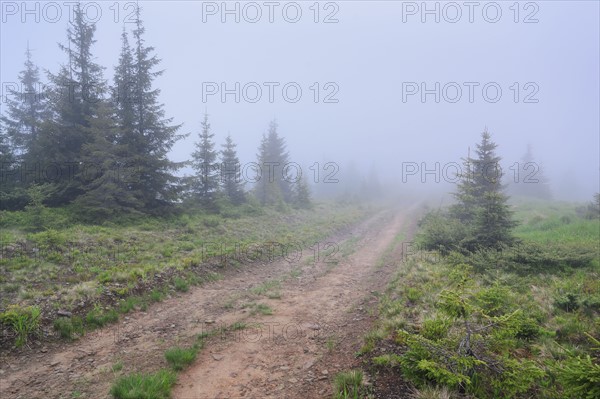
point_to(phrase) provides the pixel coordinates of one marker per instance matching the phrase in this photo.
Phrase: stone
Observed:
(64, 313)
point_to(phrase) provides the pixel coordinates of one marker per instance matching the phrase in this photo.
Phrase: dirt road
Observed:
(320, 310)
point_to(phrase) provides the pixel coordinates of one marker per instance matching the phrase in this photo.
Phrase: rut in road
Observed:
(313, 306)
(283, 356)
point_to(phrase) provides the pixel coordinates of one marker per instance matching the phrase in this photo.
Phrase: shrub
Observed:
(494, 300)
(441, 232)
(568, 302)
(580, 377)
(435, 329)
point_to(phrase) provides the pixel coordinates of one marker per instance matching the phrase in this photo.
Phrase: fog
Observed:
(396, 88)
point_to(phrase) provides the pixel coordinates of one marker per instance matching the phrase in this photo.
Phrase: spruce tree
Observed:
(26, 109)
(466, 200)
(481, 204)
(150, 136)
(205, 183)
(106, 176)
(273, 186)
(487, 174)
(77, 89)
(263, 188)
(302, 194)
(124, 93)
(231, 179)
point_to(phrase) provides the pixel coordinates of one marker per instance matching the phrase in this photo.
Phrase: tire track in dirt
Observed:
(286, 355)
(139, 340)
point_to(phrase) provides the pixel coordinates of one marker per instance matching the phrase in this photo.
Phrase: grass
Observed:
(269, 288)
(296, 272)
(238, 325)
(70, 262)
(118, 366)
(147, 386)
(545, 319)
(370, 340)
(348, 385)
(330, 344)
(180, 358)
(181, 285)
(263, 309)
(66, 327)
(22, 321)
(99, 318)
(258, 308)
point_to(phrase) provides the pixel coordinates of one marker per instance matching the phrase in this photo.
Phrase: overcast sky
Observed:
(372, 59)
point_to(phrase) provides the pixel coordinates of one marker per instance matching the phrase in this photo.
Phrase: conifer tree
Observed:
(273, 186)
(124, 93)
(231, 179)
(205, 183)
(482, 205)
(106, 177)
(150, 136)
(466, 200)
(77, 91)
(26, 109)
(302, 194)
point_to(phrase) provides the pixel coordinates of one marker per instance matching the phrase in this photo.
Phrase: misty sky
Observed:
(369, 54)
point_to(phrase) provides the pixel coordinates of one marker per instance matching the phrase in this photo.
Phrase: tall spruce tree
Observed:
(274, 186)
(149, 136)
(231, 174)
(205, 182)
(482, 205)
(77, 91)
(26, 109)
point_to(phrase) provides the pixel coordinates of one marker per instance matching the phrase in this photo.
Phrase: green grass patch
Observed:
(180, 358)
(147, 386)
(267, 288)
(512, 324)
(181, 284)
(348, 385)
(22, 321)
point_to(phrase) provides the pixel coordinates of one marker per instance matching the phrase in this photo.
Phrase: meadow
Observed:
(518, 323)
